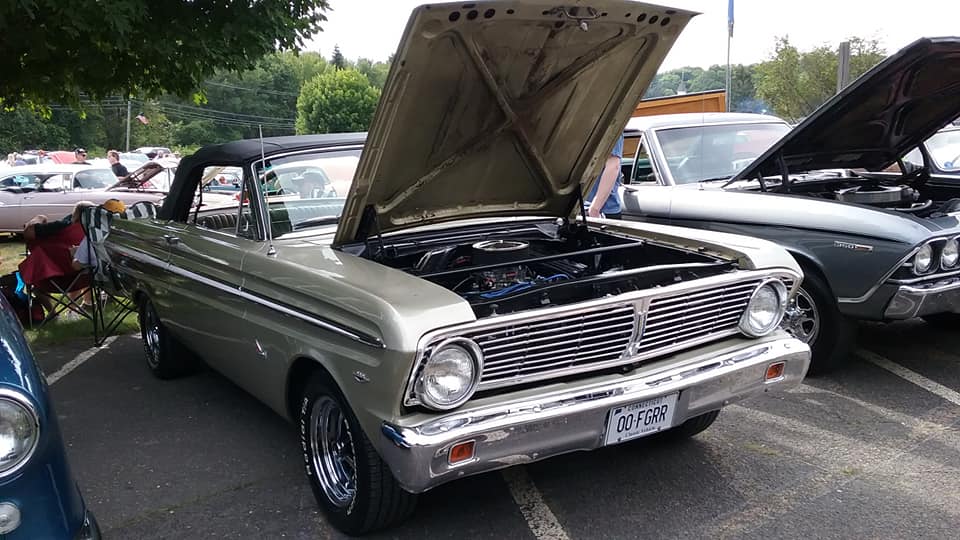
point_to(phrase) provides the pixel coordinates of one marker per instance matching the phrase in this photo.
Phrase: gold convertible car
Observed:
(427, 302)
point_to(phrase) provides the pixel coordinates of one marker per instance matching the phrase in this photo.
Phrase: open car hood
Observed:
(878, 118)
(503, 108)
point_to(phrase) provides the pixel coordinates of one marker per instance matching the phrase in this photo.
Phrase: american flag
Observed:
(143, 119)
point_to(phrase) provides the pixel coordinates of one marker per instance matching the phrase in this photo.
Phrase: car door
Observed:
(205, 309)
(644, 196)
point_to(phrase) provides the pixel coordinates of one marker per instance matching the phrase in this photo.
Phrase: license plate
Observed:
(640, 419)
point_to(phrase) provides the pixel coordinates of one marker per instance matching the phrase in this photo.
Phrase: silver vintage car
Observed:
(426, 302)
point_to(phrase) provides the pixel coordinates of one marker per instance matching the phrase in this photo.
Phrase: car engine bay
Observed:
(502, 270)
(901, 193)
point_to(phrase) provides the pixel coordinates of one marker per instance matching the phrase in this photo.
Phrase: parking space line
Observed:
(540, 519)
(931, 386)
(79, 360)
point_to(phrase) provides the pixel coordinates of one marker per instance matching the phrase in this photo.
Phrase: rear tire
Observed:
(946, 321)
(818, 322)
(692, 426)
(166, 357)
(353, 486)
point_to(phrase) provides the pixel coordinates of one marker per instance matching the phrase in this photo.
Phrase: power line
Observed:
(215, 111)
(257, 90)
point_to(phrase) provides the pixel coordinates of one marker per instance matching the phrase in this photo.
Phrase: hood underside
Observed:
(878, 118)
(503, 108)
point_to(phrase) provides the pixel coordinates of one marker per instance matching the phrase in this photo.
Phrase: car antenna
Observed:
(271, 251)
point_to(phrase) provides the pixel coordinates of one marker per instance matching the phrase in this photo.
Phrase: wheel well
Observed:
(809, 266)
(297, 378)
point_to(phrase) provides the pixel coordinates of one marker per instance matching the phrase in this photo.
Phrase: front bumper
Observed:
(917, 300)
(538, 427)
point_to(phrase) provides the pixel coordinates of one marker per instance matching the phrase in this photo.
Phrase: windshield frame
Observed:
(262, 206)
(655, 148)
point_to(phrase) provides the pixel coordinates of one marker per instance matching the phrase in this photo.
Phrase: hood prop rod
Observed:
(583, 206)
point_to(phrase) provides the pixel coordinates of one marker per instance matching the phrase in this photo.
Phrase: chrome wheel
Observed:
(332, 451)
(151, 335)
(803, 319)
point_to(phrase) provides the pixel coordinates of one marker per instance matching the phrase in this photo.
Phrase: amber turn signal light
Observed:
(775, 371)
(461, 452)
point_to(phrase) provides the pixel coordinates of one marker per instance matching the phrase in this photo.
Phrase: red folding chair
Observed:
(51, 279)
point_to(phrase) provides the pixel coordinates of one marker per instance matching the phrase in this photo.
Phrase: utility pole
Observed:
(843, 66)
(128, 126)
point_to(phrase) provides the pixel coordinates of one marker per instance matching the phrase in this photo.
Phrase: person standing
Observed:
(604, 198)
(118, 169)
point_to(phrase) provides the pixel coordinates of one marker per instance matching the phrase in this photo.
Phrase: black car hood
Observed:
(878, 118)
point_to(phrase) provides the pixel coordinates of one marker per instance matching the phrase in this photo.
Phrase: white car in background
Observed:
(54, 189)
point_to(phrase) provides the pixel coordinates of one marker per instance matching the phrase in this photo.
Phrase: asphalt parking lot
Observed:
(872, 451)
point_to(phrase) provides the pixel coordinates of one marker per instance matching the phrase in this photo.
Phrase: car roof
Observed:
(48, 168)
(643, 123)
(242, 151)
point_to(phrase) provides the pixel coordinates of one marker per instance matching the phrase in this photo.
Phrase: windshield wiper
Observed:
(717, 179)
(315, 221)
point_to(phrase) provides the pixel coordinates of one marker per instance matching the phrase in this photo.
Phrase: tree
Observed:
(795, 83)
(52, 52)
(336, 101)
(338, 61)
(376, 72)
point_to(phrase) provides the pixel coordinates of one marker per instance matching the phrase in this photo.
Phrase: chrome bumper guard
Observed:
(527, 430)
(917, 300)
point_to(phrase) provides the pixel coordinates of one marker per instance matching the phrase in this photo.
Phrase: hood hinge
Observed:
(369, 225)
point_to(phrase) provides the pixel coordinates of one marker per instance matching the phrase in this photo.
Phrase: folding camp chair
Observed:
(107, 288)
(52, 281)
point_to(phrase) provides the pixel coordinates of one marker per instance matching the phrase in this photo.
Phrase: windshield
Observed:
(699, 153)
(944, 148)
(94, 179)
(307, 190)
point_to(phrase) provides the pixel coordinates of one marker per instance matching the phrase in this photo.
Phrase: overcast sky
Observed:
(372, 28)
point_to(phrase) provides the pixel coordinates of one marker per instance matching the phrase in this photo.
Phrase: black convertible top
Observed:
(239, 154)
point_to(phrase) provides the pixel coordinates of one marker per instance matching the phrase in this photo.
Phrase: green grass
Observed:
(62, 329)
(11, 253)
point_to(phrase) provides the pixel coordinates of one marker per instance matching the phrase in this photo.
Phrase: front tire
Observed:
(816, 320)
(353, 486)
(167, 358)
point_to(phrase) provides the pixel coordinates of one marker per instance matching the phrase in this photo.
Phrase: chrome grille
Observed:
(534, 350)
(676, 321)
(563, 342)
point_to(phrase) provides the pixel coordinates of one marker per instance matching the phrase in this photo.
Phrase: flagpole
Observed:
(728, 74)
(729, 39)
(128, 126)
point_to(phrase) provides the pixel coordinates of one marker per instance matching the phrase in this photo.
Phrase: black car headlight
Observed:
(923, 259)
(450, 374)
(765, 309)
(19, 431)
(950, 254)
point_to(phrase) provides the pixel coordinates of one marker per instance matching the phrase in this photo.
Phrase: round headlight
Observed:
(19, 434)
(950, 253)
(923, 260)
(450, 375)
(765, 309)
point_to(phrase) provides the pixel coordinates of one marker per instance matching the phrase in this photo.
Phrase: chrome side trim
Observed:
(21, 399)
(886, 277)
(359, 337)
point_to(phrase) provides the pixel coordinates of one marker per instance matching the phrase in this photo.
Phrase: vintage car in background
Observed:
(874, 243)
(156, 177)
(449, 313)
(53, 190)
(38, 496)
